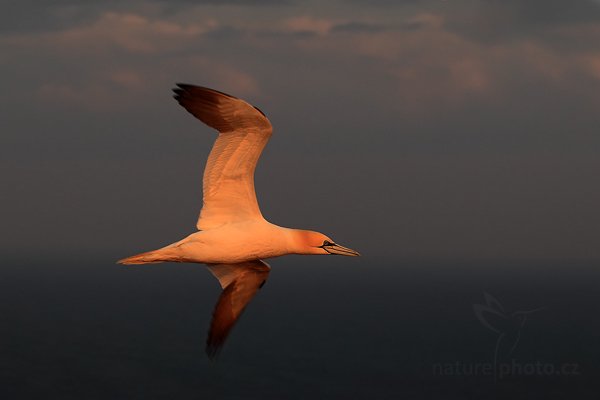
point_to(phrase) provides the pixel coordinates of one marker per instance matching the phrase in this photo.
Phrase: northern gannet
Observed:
(233, 237)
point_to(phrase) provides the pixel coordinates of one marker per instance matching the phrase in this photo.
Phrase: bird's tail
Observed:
(150, 257)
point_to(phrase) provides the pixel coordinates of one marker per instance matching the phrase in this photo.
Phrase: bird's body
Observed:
(231, 243)
(233, 237)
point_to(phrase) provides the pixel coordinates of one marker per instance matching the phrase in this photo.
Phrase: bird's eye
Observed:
(327, 243)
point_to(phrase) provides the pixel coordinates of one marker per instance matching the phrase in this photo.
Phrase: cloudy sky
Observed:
(415, 129)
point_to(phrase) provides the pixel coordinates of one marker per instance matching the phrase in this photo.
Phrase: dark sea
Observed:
(322, 327)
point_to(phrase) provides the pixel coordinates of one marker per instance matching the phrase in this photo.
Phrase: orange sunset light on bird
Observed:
(233, 237)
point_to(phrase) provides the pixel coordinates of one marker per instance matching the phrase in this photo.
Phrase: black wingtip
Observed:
(213, 351)
(185, 87)
(181, 90)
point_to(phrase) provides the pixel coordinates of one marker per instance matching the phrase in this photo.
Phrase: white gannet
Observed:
(233, 237)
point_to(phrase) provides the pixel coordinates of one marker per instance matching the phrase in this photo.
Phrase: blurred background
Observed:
(453, 143)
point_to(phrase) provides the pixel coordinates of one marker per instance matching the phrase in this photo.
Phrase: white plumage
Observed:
(233, 236)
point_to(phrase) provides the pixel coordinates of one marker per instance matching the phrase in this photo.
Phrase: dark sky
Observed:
(404, 129)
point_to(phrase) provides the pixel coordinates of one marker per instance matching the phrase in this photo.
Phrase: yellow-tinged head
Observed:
(311, 242)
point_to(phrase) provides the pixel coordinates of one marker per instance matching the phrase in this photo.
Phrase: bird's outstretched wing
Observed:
(244, 131)
(240, 282)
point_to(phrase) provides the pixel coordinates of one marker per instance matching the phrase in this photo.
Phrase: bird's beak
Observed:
(335, 248)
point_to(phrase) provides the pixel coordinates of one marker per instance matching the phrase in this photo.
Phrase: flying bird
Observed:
(233, 237)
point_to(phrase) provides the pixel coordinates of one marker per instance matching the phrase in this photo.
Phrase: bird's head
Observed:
(310, 242)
